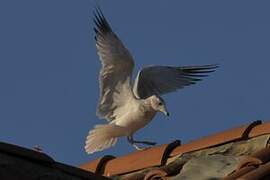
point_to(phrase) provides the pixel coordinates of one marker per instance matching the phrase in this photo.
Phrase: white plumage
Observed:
(129, 108)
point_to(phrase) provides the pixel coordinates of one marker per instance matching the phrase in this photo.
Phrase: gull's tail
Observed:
(103, 137)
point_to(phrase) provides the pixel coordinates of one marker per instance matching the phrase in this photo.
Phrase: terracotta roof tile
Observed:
(240, 173)
(241, 132)
(256, 159)
(98, 165)
(255, 166)
(156, 174)
(258, 173)
(260, 130)
(157, 156)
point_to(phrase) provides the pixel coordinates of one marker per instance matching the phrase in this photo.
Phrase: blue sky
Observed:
(49, 68)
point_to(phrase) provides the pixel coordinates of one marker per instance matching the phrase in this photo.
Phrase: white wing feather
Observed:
(116, 71)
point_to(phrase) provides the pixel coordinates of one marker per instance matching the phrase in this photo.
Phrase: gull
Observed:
(129, 106)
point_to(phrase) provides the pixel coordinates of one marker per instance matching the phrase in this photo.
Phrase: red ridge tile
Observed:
(98, 165)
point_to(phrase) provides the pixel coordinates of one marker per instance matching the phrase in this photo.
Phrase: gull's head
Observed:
(158, 104)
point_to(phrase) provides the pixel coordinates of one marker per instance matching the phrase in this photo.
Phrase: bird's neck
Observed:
(148, 105)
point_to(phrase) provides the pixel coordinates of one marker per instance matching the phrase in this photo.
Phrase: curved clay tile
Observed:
(97, 166)
(155, 156)
(256, 159)
(239, 173)
(260, 129)
(137, 160)
(255, 166)
(240, 133)
(257, 174)
(158, 155)
(156, 174)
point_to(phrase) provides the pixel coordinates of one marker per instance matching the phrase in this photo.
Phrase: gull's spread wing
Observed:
(116, 71)
(164, 79)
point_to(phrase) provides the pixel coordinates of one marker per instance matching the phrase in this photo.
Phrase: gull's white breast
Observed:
(136, 115)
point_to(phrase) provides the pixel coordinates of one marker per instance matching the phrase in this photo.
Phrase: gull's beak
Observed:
(164, 111)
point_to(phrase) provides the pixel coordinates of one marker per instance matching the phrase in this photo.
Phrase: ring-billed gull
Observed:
(128, 107)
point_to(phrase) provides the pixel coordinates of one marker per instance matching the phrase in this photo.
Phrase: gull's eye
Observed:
(160, 103)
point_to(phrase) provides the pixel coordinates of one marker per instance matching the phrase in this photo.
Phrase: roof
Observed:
(240, 152)
(18, 163)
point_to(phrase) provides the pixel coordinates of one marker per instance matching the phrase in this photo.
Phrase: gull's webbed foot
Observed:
(137, 147)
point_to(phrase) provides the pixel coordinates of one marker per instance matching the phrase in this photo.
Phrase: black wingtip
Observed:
(195, 73)
(101, 25)
(200, 69)
(212, 66)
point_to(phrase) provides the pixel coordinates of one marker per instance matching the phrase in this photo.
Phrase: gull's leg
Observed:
(131, 141)
(145, 142)
(142, 142)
